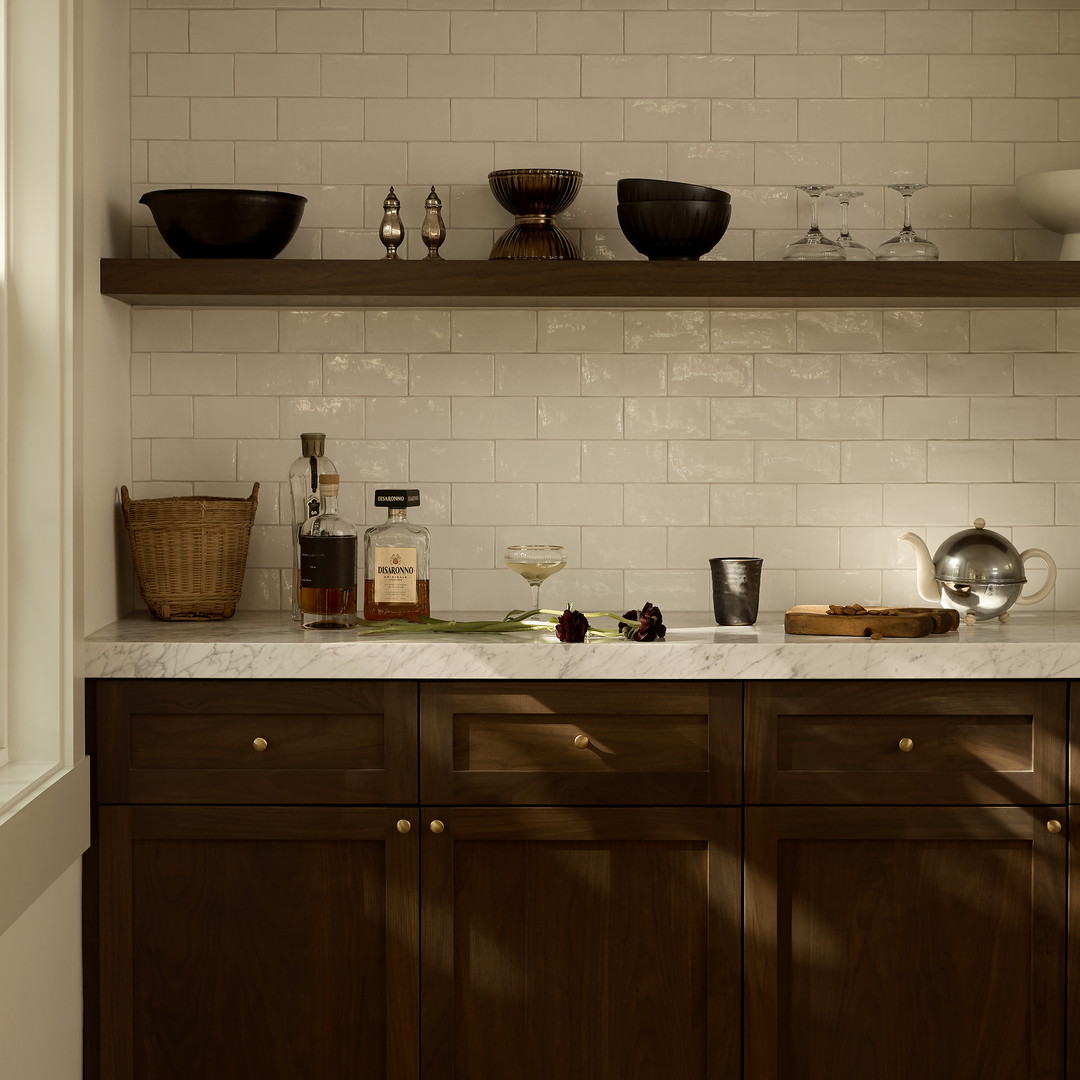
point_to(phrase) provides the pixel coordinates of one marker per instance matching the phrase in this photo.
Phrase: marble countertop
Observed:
(269, 645)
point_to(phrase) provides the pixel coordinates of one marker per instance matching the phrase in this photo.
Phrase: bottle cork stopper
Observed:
(329, 478)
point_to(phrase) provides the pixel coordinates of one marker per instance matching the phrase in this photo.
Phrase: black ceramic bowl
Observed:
(217, 223)
(632, 190)
(674, 228)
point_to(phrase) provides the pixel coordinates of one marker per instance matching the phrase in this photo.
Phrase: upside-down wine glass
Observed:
(815, 246)
(535, 563)
(907, 244)
(853, 250)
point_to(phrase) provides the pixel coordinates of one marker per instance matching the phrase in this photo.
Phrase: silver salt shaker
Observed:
(434, 229)
(391, 230)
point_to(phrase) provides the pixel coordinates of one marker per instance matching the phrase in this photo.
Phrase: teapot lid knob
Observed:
(980, 523)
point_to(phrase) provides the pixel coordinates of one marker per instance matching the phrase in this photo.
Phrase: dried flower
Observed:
(649, 624)
(571, 626)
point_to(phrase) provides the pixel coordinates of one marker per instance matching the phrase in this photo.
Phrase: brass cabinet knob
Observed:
(1053, 826)
(907, 745)
(581, 741)
(437, 826)
(404, 825)
(259, 743)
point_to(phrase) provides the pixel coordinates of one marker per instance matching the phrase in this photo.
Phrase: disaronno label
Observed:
(395, 575)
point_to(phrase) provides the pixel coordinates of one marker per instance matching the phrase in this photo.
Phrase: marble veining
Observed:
(269, 645)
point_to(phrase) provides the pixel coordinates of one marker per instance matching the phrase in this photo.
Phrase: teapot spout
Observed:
(928, 588)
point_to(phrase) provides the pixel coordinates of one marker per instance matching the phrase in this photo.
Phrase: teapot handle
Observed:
(1051, 575)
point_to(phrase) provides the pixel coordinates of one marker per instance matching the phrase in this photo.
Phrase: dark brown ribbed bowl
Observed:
(534, 191)
(635, 190)
(674, 228)
(218, 223)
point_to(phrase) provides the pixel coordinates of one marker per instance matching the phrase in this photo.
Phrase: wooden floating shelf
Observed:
(382, 283)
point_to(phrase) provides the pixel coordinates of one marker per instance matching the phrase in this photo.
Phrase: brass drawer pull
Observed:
(907, 745)
(437, 826)
(260, 743)
(404, 825)
(1053, 826)
(581, 742)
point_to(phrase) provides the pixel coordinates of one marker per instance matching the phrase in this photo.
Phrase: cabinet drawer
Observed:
(582, 743)
(263, 741)
(899, 742)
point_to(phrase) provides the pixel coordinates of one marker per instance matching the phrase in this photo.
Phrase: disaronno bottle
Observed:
(396, 561)
(305, 478)
(328, 565)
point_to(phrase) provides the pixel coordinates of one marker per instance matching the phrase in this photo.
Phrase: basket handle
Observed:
(254, 496)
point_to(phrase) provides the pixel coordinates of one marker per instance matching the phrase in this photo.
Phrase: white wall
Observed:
(645, 441)
(41, 986)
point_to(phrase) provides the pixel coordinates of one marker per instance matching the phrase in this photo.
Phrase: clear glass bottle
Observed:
(328, 565)
(396, 561)
(305, 475)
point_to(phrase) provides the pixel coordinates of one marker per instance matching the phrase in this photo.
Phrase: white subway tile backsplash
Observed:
(581, 504)
(666, 331)
(680, 418)
(579, 418)
(626, 547)
(189, 75)
(839, 418)
(798, 548)
(617, 462)
(986, 461)
(666, 504)
(232, 32)
(710, 462)
(885, 461)
(221, 417)
(925, 331)
(752, 504)
(320, 31)
(194, 459)
(753, 418)
(646, 440)
(538, 461)
(451, 460)
(493, 418)
(192, 373)
(338, 417)
(791, 462)
(284, 75)
(234, 330)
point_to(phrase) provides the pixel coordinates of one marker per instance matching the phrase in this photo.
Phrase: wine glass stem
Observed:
(536, 594)
(843, 218)
(907, 212)
(813, 213)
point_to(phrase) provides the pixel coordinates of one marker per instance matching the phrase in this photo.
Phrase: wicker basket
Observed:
(190, 552)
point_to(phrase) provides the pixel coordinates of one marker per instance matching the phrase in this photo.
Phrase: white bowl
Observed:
(1053, 200)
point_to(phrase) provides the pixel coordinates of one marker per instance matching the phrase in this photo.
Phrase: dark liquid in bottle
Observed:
(411, 612)
(321, 605)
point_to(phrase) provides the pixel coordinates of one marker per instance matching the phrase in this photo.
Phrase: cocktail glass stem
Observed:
(535, 585)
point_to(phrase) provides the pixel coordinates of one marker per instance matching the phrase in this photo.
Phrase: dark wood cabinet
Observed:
(255, 942)
(905, 942)
(471, 880)
(652, 743)
(581, 943)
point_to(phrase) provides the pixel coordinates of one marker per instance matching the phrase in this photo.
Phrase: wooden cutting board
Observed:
(906, 622)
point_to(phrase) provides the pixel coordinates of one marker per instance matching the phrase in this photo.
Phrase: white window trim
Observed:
(43, 786)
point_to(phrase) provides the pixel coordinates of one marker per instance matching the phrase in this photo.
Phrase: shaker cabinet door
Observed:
(580, 944)
(900, 943)
(255, 943)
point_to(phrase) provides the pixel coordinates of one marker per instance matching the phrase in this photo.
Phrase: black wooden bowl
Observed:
(634, 190)
(218, 223)
(674, 228)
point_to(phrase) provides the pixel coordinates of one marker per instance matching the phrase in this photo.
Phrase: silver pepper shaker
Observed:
(391, 230)
(434, 229)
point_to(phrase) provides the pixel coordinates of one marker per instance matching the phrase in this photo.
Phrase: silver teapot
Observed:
(977, 572)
